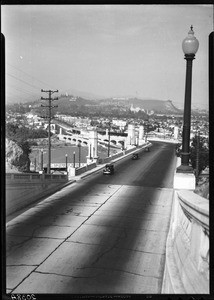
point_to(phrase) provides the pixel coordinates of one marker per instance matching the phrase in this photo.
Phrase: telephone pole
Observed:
(49, 117)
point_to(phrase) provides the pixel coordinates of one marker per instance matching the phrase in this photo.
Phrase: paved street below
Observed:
(102, 234)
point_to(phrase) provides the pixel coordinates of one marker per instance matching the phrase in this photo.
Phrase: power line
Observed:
(23, 90)
(29, 75)
(36, 87)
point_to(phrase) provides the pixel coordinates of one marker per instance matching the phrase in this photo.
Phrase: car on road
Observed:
(109, 169)
(135, 156)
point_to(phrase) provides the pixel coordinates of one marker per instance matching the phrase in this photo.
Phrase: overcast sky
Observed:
(107, 50)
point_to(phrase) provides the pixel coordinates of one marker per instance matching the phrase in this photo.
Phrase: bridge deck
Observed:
(103, 234)
(106, 241)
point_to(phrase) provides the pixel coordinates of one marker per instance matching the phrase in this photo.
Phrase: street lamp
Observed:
(197, 156)
(146, 131)
(90, 151)
(109, 139)
(35, 164)
(41, 161)
(79, 146)
(190, 46)
(74, 158)
(66, 162)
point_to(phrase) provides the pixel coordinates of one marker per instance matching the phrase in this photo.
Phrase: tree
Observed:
(199, 144)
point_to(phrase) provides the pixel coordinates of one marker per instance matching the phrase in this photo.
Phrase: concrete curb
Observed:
(100, 167)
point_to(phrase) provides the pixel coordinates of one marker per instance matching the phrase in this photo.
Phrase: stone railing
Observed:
(12, 178)
(77, 171)
(187, 248)
(102, 161)
(24, 189)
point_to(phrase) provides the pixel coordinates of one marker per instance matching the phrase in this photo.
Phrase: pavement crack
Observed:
(120, 270)
(100, 255)
(16, 246)
(63, 275)
(22, 265)
(93, 213)
(147, 252)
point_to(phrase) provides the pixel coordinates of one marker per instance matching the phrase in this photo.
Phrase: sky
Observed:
(106, 50)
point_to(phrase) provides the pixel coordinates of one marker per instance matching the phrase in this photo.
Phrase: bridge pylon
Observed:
(93, 147)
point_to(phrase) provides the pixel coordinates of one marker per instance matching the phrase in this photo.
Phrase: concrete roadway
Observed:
(102, 234)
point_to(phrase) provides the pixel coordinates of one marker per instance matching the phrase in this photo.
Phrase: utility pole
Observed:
(197, 156)
(109, 139)
(49, 106)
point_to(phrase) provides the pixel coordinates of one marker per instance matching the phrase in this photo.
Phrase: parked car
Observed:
(109, 169)
(135, 156)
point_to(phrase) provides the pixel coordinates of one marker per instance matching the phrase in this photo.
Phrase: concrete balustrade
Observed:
(187, 248)
(24, 189)
(77, 171)
(72, 172)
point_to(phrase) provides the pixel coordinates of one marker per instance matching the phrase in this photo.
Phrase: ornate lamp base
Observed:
(184, 169)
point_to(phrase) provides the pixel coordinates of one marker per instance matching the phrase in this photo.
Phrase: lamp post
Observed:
(74, 158)
(66, 162)
(109, 139)
(197, 156)
(79, 146)
(41, 167)
(35, 164)
(190, 46)
(90, 151)
(146, 132)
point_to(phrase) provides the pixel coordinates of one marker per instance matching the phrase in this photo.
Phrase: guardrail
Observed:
(162, 139)
(77, 171)
(72, 172)
(187, 248)
(12, 177)
(24, 189)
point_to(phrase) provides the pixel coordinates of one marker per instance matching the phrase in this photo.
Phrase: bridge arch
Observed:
(121, 143)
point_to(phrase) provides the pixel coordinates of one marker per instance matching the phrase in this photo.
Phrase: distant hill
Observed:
(85, 95)
(118, 106)
(158, 106)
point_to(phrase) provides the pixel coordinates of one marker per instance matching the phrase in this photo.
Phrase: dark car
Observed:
(135, 156)
(109, 169)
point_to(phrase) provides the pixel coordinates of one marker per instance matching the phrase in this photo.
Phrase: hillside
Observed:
(158, 106)
(117, 107)
(66, 103)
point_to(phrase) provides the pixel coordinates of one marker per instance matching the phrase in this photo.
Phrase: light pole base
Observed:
(92, 159)
(89, 160)
(184, 181)
(184, 169)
